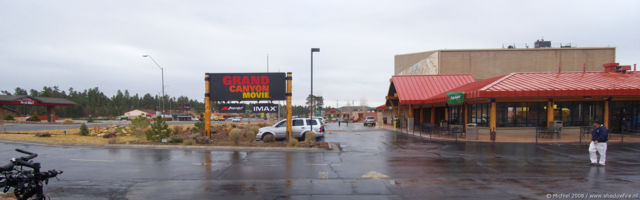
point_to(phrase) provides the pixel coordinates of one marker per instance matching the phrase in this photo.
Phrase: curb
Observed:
(505, 142)
(332, 147)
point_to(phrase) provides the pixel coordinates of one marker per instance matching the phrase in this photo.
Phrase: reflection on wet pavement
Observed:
(374, 164)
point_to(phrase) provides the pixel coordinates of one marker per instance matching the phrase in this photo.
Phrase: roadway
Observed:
(373, 164)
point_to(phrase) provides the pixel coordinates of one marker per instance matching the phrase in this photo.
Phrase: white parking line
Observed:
(87, 160)
(211, 164)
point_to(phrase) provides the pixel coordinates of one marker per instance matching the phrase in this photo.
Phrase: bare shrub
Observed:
(235, 135)
(310, 137)
(293, 143)
(68, 121)
(188, 142)
(268, 138)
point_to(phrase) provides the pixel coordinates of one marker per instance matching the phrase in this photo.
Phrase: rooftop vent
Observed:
(541, 43)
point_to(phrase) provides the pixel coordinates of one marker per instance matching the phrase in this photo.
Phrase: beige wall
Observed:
(487, 63)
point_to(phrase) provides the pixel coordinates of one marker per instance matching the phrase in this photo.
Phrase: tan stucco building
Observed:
(487, 63)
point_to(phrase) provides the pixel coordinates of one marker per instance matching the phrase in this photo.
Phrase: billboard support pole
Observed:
(289, 112)
(207, 107)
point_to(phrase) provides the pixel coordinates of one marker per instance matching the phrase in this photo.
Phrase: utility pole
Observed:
(312, 107)
(162, 72)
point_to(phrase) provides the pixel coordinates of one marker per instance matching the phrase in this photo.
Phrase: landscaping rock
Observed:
(203, 140)
(109, 135)
(43, 134)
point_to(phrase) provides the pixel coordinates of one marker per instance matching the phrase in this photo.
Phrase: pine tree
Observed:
(84, 131)
(159, 130)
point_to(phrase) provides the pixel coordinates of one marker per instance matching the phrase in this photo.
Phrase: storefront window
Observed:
(455, 115)
(526, 114)
(624, 116)
(479, 114)
(581, 113)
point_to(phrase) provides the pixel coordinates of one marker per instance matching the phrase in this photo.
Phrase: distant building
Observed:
(135, 113)
(487, 63)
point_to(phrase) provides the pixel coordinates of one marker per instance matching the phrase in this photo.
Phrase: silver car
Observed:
(299, 127)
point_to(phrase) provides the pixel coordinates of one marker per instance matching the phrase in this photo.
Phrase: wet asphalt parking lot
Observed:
(373, 164)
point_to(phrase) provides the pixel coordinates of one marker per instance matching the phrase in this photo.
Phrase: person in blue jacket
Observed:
(598, 144)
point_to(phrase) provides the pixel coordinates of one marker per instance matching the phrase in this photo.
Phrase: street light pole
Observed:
(162, 72)
(312, 108)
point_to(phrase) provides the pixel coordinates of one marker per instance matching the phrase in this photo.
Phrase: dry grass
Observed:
(69, 138)
(220, 139)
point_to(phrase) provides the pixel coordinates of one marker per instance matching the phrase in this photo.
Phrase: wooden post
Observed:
(410, 113)
(289, 109)
(433, 115)
(606, 113)
(207, 107)
(492, 116)
(550, 112)
(466, 114)
(446, 114)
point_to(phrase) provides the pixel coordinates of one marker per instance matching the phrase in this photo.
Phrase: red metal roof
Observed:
(550, 85)
(34, 101)
(564, 84)
(416, 89)
(382, 107)
(468, 90)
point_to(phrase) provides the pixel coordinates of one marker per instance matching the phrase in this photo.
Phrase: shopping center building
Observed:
(521, 99)
(517, 98)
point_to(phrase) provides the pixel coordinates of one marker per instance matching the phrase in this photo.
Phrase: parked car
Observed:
(236, 119)
(321, 120)
(299, 127)
(370, 121)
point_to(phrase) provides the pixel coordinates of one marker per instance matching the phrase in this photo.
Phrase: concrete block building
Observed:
(487, 63)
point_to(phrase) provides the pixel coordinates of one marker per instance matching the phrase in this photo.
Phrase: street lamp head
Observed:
(315, 49)
(145, 56)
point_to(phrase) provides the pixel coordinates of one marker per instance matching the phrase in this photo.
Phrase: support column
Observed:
(433, 115)
(492, 116)
(606, 113)
(51, 114)
(410, 118)
(207, 107)
(289, 108)
(550, 112)
(446, 114)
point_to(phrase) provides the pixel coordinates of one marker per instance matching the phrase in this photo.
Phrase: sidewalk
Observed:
(521, 135)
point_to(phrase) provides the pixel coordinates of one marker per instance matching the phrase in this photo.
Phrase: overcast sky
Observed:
(84, 44)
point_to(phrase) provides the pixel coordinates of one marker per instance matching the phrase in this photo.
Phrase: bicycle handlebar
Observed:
(31, 155)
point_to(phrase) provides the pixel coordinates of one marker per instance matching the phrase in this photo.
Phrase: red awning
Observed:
(382, 107)
(416, 89)
(565, 84)
(467, 89)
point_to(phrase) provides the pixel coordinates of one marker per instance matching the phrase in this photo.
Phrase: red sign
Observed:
(247, 86)
(27, 101)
